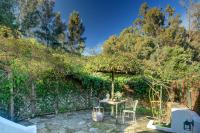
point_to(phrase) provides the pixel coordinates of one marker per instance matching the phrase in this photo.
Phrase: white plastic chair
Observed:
(132, 111)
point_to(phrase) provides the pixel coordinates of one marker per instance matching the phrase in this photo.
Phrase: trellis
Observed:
(156, 99)
(67, 101)
(3, 78)
(156, 94)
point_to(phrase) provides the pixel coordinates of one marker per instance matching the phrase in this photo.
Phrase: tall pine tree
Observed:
(76, 41)
(59, 29)
(7, 17)
(46, 15)
(28, 16)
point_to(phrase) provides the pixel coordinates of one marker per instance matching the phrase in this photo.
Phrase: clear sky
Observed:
(103, 18)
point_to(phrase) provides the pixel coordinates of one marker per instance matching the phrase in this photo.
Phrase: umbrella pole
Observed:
(112, 93)
(113, 86)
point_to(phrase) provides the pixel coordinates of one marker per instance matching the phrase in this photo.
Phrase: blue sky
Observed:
(103, 18)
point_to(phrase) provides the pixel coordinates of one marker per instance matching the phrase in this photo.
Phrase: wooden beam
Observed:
(116, 72)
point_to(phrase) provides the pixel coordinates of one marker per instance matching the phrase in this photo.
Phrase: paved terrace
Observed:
(81, 122)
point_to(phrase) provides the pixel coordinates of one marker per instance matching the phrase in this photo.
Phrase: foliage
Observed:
(117, 63)
(76, 43)
(55, 74)
(28, 16)
(44, 32)
(196, 16)
(6, 32)
(7, 17)
(153, 21)
(59, 31)
(161, 46)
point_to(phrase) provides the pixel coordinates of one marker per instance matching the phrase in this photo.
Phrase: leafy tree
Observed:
(153, 21)
(158, 42)
(192, 8)
(76, 41)
(7, 17)
(189, 6)
(170, 10)
(46, 16)
(109, 45)
(58, 31)
(28, 16)
(143, 9)
(38, 18)
(174, 34)
(196, 16)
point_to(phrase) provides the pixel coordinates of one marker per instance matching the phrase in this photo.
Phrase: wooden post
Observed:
(160, 112)
(90, 97)
(112, 93)
(33, 100)
(183, 92)
(113, 86)
(11, 108)
(56, 102)
(189, 99)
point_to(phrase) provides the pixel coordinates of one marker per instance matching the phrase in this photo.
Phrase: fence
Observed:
(27, 100)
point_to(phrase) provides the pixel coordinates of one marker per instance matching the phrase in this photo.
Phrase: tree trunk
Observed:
(33, 100)
(11, 108)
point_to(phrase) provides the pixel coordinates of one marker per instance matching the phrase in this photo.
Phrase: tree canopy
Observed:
(122, 63)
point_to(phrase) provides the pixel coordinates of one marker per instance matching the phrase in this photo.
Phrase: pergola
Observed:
(113, 73)
(116, 64)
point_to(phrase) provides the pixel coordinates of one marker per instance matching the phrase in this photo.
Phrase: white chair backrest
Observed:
(129, 103)
(135, 102)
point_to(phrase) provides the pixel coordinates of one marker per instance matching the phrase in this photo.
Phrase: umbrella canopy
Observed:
(122, 63)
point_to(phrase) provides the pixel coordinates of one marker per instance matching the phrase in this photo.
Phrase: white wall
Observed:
(7, 126)
(180, 115)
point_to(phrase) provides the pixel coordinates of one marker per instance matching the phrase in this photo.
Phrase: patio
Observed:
(81, 122)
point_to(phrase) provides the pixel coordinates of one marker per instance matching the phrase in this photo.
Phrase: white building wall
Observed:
(180, 115)
(7, 126)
